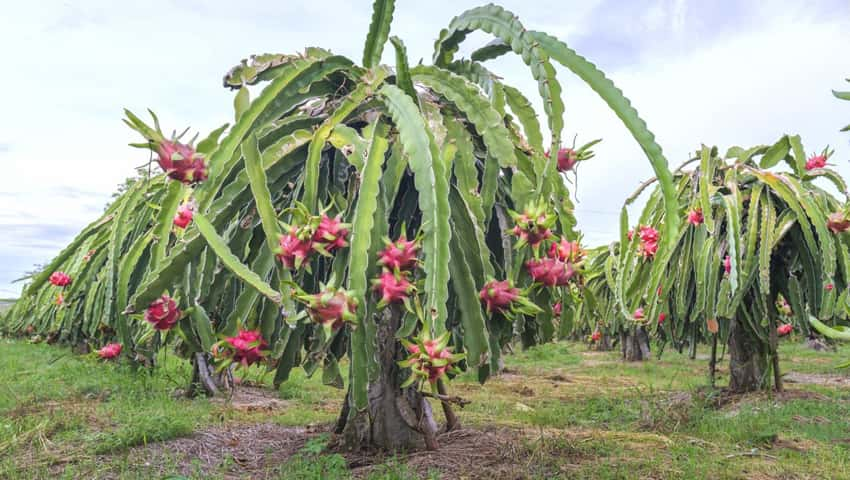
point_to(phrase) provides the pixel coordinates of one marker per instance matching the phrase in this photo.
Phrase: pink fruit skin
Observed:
(695, 217)
(816, 161)
(293, 250)
(498, 295)
(399, 255)
(184, 215)
(60, 279)
(162, 313)
(330, 233)
(109, 351)
(247, 346)
(392, 289)
(189, 168)
(550, 272)
(331, 311)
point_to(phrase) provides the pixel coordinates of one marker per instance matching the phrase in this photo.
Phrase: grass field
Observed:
(559, 411)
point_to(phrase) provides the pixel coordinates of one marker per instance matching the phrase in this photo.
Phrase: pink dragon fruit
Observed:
(60, 279)
(162, 313)
(784, 329)
(838, 222)
(829, 287)
(295, 247)
(661, 317)
(429, 359)
(695, 217)
(247, 348)
(727, 265)
(596, 336)
(557, 309)
(498, 295)
(567, 159)
(109, 351)
(392, 287)
(533, 226)
(331, 308)
(550, 272)
(566, 251)
(184, 215)
(648, 241)
(638, 314)
(181, 162)
(816, 161)
(399, 255)
(330, 234)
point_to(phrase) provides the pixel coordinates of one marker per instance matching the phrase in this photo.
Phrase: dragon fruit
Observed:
(330, 234)
(429, 359)
(638, 314)
(567, 159)
(295, 247)
(162, 313)
(550, 272)
(784, 329)
(181, 162)
(331, 308)
(557, 309)
(695, 217)
(392, 287)
(784, 307)
(246, 348)
(498, 295)
(60, 279)
(184, 215)
(727, 265)
(661, 317)
(566, 251)
(630, 234)
(596, 336)
(838, 222)
(712, 325)
(109, 351)
(399, 255)
(533, 226)
(816, 161)
(648, 241)
(829, 287)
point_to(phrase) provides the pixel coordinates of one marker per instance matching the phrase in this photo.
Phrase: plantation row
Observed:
(414, 221)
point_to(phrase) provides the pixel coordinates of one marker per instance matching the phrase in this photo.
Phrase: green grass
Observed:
(575, 414)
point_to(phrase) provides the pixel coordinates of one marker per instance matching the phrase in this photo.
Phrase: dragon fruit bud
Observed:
(331, 308)
(638, 314)
(181, 162)
(331, 233)
(661, 317)
(557, 309)
(727, 264)
(630, 234)
(109, 351)
(247, 347)
(550, 272)
(162, 313)
(498, 295)
(392, 288)
(184, 215)
(695, 217)
(784, 329)
(399, 255)
(60, 299)
(565, 250)
(829, 287)
(60, 279)
(294, 249)
(838, 222)
(596, 336)
(816, 161)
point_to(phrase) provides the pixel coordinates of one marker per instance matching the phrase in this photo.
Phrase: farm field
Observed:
(558, 411)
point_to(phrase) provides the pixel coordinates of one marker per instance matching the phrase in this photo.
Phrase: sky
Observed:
(722, 72)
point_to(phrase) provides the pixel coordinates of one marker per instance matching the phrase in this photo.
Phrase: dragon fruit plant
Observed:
(448, 150)
(763, 234)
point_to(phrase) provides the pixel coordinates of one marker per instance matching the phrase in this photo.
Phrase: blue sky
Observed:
(719, 72)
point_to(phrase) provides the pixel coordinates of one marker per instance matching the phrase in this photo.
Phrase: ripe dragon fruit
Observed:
(498, 295)
(60, 279)
(838, 222)
(727, 265)
(596, 336)
(784, 329)
(181, 162)
(246, 348)
(557, 309)
(295, 247)
(184, 215)
(695, 217)
(392, 287)
(330, 234)
(550, 272)
(429, 359)
(162, 313)
(816, 161)
(399, 255)
(566, 251)
(567, 159)
(533, 226)
(109, 351)
(829, 287)
(331, 308)
(661, 317)
(648, 241)
(784, 307)
(638, 314)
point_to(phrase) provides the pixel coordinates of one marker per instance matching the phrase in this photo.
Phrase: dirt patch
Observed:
(829, 380)
(253, 399)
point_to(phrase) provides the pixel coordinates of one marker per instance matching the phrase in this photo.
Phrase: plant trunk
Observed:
(395, 419)
(747, 360)
(205, 380)
(635, 345)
